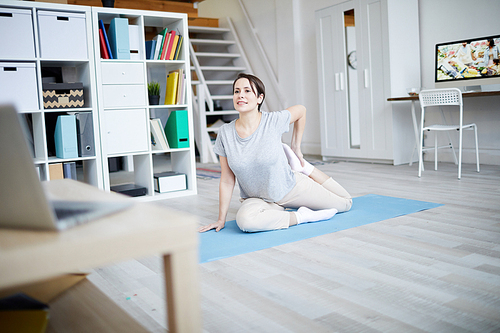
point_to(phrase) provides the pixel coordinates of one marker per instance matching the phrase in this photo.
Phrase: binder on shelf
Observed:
(177, 129)
(56, 171)
(150, 49)
(118, 35)
(69, 170)
(105, 35)
(65, 137)
(169, 181)
(171, 89)
(135, 42)
(85, 134)
(158, 133)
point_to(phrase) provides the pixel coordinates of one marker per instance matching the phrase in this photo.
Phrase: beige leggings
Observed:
(258, 215)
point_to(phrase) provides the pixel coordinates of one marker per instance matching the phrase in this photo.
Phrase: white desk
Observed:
(414, 117)
(144, 229)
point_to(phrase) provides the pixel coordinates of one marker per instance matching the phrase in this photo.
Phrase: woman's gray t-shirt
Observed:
(259, 161)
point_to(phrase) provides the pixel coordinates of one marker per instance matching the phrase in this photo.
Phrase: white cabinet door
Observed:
(332, 73)
(375, 114)
(354, 120)
(126, 131)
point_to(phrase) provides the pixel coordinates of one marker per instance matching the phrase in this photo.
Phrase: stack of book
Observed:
(176, 81)
(164, 46)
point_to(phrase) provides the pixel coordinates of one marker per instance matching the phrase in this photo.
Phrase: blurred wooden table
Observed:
(142, 230)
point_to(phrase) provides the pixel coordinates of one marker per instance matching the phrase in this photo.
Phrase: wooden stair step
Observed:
(217, 55)
(222, 112)
(214, 82)
(222, 97)
(203, 22)
(208, 30)
(221, 68)
(211, 41)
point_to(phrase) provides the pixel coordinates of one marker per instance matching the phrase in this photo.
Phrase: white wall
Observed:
(286, 29)
(450, 20)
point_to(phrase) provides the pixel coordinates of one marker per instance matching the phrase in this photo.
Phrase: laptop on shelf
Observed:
(23, 202)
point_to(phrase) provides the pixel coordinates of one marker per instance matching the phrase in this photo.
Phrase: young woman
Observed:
(271, 175)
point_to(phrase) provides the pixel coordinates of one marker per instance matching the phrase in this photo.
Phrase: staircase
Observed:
(216, 58)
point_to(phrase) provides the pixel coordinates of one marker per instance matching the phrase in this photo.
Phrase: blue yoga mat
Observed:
(231, 241)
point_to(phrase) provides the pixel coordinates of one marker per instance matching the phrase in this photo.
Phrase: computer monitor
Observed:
(468, 62)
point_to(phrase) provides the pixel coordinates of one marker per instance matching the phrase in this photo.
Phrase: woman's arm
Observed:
(298, 118)
(226, 187)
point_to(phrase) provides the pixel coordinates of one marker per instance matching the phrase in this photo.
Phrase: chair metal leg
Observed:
(477, 148)
(435, 151)
(420, 154)
(449, 137)
(460, 153)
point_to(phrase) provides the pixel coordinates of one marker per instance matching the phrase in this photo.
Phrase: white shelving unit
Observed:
(27, 38)
(124, 109)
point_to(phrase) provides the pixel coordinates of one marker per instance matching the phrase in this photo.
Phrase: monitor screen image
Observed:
(468, 59)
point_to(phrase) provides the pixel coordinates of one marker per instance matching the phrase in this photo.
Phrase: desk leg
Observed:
(183, 291)
(415, 129)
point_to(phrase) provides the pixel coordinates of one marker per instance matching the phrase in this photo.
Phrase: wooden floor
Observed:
(432, 271)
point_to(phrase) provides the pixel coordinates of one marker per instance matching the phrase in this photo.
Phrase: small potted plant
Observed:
(154, 93)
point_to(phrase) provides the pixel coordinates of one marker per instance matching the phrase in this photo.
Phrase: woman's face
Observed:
(244, 99)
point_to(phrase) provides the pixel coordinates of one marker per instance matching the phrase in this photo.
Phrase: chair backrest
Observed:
(449, 96)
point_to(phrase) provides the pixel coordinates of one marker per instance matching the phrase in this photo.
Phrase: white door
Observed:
(333, 92)
(354, 120)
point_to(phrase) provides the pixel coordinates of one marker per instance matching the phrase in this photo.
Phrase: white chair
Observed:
(442, 97)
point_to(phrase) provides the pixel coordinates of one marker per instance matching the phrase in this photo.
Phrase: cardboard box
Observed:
(169, 181)
(63, 95)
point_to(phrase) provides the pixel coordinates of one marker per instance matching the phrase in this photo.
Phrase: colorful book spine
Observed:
(102, 42)
(170, 43)
(178, 50)
(150, 49)
(164, 33)
(158, 39)
(173, 48)
(171, 89)
(101, 26)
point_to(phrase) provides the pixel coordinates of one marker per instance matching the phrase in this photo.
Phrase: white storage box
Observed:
(169, 181)
(126, 131)
(16, 39)
(18, 85)
(62, 35)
